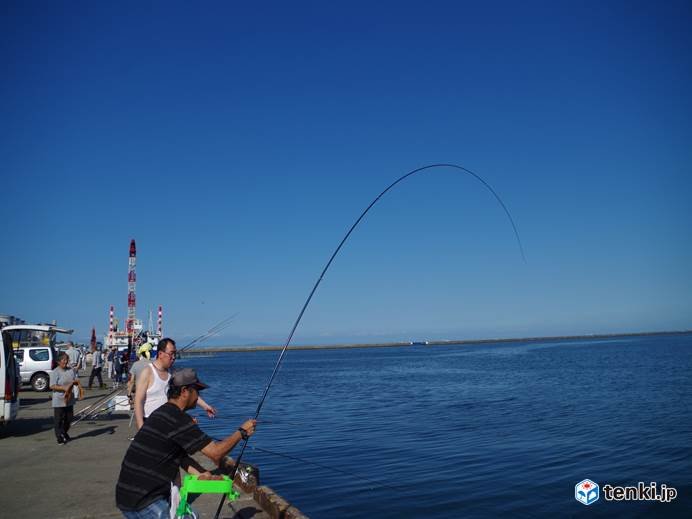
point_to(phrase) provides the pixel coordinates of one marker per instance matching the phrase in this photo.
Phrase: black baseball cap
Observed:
(187, 377)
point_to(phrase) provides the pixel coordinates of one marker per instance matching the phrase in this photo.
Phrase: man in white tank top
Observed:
(152, 384)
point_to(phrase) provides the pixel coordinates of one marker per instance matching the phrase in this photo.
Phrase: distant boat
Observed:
(419, 343)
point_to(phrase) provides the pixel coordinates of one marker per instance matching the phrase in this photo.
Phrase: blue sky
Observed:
(238, 143)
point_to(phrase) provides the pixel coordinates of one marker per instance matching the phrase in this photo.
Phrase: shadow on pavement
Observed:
(32, 399)
(26, 427)
(248, 512)
(94, 432)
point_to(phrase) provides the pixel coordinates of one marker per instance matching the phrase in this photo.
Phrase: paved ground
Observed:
(40, 478)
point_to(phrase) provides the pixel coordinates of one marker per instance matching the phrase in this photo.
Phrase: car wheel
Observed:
(39, 382)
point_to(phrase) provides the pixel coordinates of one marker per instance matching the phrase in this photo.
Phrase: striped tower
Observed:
(159, 323)
(111, 325)
(131, 284)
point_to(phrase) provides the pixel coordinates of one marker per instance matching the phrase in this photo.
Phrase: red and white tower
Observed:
(159, 323)
(131, 284)
(111, 325)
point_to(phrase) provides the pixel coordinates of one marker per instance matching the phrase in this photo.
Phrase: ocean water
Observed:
(465, 430)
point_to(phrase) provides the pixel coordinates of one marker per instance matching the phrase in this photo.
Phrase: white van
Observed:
(15, 339)
(35, 351)
(9, 380)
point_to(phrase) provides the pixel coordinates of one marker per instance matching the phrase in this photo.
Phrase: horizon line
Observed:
(445, 342)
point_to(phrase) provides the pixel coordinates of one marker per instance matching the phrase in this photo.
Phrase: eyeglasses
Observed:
(171, 353)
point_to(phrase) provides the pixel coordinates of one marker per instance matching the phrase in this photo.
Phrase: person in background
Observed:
(163, 445)
(125, 360)
(110, 362)
(62, 382)
(152, 384)
(136, 369)
(74, 357)
(115, 356)
(121, 366)
(96, 367)
(145, 349)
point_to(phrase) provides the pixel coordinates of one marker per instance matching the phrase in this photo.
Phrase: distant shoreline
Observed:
(220, 349)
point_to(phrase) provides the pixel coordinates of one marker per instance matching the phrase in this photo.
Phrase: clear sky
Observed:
(237, 142)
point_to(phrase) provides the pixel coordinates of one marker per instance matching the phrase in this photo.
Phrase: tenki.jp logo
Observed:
(586, 492)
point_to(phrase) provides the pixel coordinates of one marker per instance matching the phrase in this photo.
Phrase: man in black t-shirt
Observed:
(163, 445)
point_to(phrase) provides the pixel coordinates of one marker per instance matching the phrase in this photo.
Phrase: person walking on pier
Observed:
(165, 443)
(74, 357)
(120, 363)
(62, 380)
(96, 367)
(110, 364)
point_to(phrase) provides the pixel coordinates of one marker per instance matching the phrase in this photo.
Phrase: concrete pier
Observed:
(40, 478)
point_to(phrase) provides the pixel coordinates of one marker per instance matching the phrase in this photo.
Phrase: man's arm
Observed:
(216, 451)
(191, 466)
(130, 383)
(211, 411)
(141, 395)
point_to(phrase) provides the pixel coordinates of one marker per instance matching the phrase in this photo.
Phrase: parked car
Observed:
(9, 380)
(36, 363)
(34, 350)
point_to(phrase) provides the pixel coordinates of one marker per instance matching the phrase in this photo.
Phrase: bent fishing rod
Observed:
(427, 168)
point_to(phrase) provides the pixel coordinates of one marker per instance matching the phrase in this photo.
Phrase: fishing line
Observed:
(221, 325)
(280, 422)
(211, 332)
(377, 484)
(331, 259)
(217, 328)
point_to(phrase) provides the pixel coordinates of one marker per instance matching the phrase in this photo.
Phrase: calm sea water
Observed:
(465, 431)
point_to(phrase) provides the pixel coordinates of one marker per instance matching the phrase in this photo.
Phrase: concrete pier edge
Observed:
(41, 478)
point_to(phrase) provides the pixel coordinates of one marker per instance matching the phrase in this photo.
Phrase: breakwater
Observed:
(445, 342)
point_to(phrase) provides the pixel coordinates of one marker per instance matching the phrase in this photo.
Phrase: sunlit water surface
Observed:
(464, 431)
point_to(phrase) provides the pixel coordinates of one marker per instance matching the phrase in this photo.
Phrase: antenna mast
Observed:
(131, 289)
